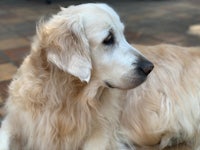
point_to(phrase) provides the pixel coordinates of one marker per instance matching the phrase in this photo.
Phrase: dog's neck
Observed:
(78, 101)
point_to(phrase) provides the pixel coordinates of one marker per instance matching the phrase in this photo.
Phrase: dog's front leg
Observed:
(5, 135)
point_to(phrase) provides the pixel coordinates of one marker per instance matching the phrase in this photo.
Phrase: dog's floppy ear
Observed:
(67, 46)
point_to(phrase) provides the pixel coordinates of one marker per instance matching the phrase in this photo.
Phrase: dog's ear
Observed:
(66, 45)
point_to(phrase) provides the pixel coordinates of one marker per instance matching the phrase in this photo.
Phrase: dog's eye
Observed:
(109, 40)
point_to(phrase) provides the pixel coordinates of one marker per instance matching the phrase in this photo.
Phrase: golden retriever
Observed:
(66, 94)
(164, 112)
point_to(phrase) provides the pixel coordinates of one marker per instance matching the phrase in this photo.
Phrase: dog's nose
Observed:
(145, 66)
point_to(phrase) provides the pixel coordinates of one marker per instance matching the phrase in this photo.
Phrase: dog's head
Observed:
(88, 41)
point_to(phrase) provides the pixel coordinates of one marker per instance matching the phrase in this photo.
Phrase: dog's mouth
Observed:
(130, 80)
(108, 84)
(127, 83)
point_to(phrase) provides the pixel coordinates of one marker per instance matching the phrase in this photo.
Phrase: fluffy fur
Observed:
(60, 97)
(164, 112)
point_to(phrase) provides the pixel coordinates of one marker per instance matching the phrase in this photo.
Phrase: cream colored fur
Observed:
(164, 112)
(59, 99)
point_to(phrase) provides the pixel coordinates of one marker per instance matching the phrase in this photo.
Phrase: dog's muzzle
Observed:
(134, 78)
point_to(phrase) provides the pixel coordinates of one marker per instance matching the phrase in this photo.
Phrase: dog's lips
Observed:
(131, 83)
(108, 84)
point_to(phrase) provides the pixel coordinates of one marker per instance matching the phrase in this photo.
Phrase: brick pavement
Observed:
(147, 22)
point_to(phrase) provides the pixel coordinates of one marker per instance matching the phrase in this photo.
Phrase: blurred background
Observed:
(148, 22)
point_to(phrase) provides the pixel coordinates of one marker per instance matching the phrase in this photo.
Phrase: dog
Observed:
(66, 94)
(164, 112)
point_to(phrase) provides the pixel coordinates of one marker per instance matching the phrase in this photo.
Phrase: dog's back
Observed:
(165, 110)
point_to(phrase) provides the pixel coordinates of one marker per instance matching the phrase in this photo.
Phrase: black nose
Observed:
(145, 66)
